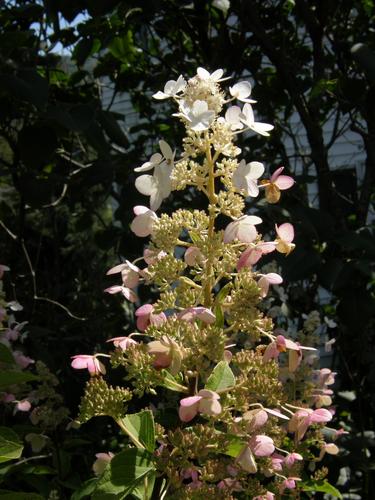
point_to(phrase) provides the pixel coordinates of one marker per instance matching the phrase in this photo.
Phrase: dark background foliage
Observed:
(66, 166)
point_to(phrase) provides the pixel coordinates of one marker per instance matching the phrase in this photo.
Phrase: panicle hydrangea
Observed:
(249, 402)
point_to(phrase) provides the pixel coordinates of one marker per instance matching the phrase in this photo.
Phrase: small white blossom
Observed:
(247, 117)
(213, 77)
(241, 91)
(232, 116)
(171, 88)
(222, 5)
(157, 186)
(199, 117)
(156, 159)
(246, 175)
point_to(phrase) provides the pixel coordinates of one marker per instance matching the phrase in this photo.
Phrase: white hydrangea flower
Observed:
(157, 186)
(246, 175)
(156, 159)
(241, 91)
(171, 89)
(199, 117)
(247, 117)
(213, 77)
(232, 116)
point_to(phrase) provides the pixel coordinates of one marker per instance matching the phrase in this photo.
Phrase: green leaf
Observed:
(141, 427)
(126, 472)
(145, 489)
(6, 355)
(8, 378)
(85, 490)
(235, 446)
(321, 486)
(171, 383)
(221, 377)
(10, 445)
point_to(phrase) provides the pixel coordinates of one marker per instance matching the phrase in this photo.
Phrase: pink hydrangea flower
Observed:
(291, 459)
(260, 446)
(281, 344)
(122, 342)
(289, 483)
(129, 273)
(91, 363)
(193, 256)
(22, 360)
(167, 354)
(146, 317)
(101, 462)
(143, 222)
(285, 237)
(276, 184)
(242, 229)
(206, 402)
(303, 418)
(23, 405)
(126, 292)
(202, 313)
(151, 256)
(266, 280)
(254, 253)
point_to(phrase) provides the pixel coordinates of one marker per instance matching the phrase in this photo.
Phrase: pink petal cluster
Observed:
(277, 183)
(193, 256)
(254, 253)
(303, 418)
(130, 275)
(242, 229)
(143, 222)
(145, 317)
(260, 446)
(206, 402)
(91, 363)
(201, 313)
(266, 280)
(167, 354)
(122, 342)
(101, 462)
(285, 237)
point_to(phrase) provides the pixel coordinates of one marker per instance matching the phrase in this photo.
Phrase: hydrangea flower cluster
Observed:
(244, 422)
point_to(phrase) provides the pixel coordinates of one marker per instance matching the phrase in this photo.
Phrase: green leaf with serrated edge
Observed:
(141, 426)
(6, 355)
(8, 378)
(221, 377)
(10, 445)
(171, 383)
(126, 471)
(85, 490)
(321, 486)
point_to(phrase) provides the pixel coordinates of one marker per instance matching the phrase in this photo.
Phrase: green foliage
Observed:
(141, 429)
(10, 445)
(221, 377)
(128, 471)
